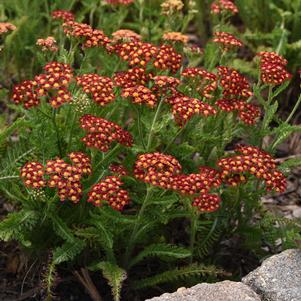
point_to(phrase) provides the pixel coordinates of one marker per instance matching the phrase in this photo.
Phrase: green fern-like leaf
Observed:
(163, 251)
(114, 274)
(68, 251)
(16, 224)
(176, 274)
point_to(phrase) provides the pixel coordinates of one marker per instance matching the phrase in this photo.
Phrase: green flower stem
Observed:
(71, 131)
(294, 110)
(110, 154)
(150, 136)
(54, 112)
(194, 216)
(131, 242)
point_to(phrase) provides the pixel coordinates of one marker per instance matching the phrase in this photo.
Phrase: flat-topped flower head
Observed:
(5, 27)
(99, 87)
(157, 169)
(247, 113)
(164, 85)
(193, 184)
(175, 37)
(125, 35)
(25, 94)
(204, 81)
(91, 37)
(109, 190)
(207, 203)
(63, 15)
(223, 6)
(184, 107)
(48, 44)
(168, 59)
(65, 178)
(272, 68)
(233, 83)
(140, 95)
(136, 53)
(170, 7)
(32, 175)
(101, 133)
(226, 40)
(254, 161)
(82, 162)
(133, 77)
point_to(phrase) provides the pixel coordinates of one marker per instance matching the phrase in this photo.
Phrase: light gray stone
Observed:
(278, 278)
(221, 291)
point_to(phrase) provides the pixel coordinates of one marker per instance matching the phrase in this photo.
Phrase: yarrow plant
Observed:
(122, 142)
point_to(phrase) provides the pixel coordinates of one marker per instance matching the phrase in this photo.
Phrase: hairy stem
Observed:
(150, 136)
(131, 242)
(57, 132)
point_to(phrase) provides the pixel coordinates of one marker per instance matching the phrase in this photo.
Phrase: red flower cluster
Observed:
(64, 15)
(207, 202)
(136, 53)
(124, 2)
(163, 84)
(256, 162)
(236, 90)
(32, 175)
(133, 77)
(184, 107)
(25, 93)
(199, 186)
(6, 27)
(82, 162)
(63, 176)
(100, 87)
(66, 178)
(168, 59)
(140, 94)
(221, 6)
(205, 81)
(48, 44)
(91, 37)
(125, 35)
(108, 190)
(226, 40)
(247, 113)
(157, 169)
(118, 169)
(233, 83)
(54, 83)
(272, 68)
(101, 133)
(199, 183)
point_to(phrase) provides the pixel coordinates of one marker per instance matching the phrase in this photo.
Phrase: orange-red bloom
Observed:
(272, 68)
(32, 175)
(108, 190)
(256, 162)
(226, 40)
(64, 15)
(100, 87)
(221, 6)
(184, 107)
(101, 133)
(139, 95)
(157, 169)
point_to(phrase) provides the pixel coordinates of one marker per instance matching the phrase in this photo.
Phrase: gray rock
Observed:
(278, 278)
(221, 291)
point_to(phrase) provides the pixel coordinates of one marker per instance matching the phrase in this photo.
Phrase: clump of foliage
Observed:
(130, 161)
